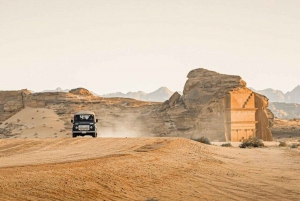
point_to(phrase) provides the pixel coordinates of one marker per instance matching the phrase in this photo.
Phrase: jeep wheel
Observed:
(74, 135)
(94, 135)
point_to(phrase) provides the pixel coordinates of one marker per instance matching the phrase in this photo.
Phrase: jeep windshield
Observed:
(84, 117)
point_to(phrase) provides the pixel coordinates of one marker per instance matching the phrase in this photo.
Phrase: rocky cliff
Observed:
(216, 106)
(12, 102)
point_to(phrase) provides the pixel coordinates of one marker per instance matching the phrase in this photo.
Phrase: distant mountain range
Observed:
(58, 89)
(279, 96)
(285, 110)
(159, 95)
(285, 106)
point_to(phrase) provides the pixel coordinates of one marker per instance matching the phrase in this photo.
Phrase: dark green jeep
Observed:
(84, 123)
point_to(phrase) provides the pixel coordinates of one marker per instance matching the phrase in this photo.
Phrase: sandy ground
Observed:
(40, 161)
(286, 130)
(55, 121)
(144, 169)
(35, 123)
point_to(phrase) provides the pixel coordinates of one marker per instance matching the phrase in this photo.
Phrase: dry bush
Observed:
(226, 145)
(252, 142)
(294, 146)
(282, 144)
(202, 139)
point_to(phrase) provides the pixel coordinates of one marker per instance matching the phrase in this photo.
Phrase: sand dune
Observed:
(35, 123)
(144, 169)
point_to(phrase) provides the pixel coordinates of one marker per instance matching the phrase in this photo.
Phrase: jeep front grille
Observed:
(83, 127)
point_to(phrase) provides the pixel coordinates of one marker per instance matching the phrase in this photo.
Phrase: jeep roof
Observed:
(85, 112)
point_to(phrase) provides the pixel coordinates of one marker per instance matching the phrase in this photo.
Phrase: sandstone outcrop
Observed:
(81, 92)
(12, 102)
(217, 106)
(174, 99)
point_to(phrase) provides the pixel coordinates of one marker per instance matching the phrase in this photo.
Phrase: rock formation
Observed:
(12, 102)
(217, 106)
(81, 92)
(214, 105)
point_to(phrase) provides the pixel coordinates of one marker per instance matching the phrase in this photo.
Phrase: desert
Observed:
(145, 150)
(149, 100)
(144, 169)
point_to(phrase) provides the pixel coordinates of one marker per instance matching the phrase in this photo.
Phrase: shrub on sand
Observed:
(294, 146)
(226, 145)
(282, 144)
(202, 139)
(252, 142)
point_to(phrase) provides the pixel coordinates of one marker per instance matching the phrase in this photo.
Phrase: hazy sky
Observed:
(130, 45)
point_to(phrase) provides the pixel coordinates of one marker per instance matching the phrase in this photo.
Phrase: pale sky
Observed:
(130, 45)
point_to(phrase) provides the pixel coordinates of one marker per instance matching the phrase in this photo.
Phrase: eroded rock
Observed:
(81, 92)
(219, 107)
(174, 99)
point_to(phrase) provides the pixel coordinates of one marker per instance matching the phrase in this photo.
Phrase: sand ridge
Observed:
(144, 169)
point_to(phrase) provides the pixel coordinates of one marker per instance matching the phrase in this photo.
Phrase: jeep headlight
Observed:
(76, 127)
(91, 127)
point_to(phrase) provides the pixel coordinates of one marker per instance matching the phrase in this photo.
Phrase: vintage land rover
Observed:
(84, 123)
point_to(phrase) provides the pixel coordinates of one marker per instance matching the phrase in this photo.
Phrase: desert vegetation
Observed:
(283, 144)
(202, 139)
(226, 145)
(252, 142)
(294, 146)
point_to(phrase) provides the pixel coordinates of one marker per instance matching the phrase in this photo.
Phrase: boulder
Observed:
(174, 99)
(164, 106)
